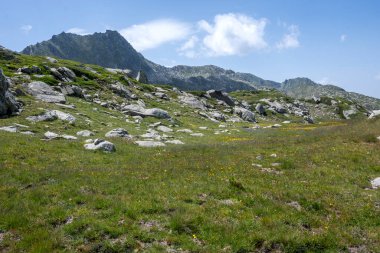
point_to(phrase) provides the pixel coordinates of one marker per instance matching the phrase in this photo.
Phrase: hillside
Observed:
(97, 162)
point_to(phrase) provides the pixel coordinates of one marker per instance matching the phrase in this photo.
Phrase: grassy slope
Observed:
(204, 196)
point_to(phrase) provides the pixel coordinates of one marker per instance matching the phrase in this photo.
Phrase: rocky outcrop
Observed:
(44, 92)
(138, 110)
(8, 104)
(222, 96)
(245, 114)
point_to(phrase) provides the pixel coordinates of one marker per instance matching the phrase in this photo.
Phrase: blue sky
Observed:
(329, 41)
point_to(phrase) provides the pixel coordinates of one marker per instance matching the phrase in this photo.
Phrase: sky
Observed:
(329, 41)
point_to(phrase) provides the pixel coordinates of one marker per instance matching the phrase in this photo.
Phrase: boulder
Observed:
(52, 115)
(150, 144)
(51, 59)
(8, 104)
(375, 183)
(71, 90)
(66, 72)
(374, 114)
(30, 70)
(260, 109)
(192, 101)
(218, 116)
(44, 92)
(85, 133)
(118, 132)
(175, 142)
(119, 89)
(139, 110)
(245, 114)
(164, 129)
(100, 144)
(223, 96)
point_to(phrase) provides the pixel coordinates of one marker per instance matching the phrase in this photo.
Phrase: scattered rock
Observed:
(138, 110)
(100, 144)
(47, 116)
(150, 144)
(44, 92)
(118, 132)
(11, 129)
(164, 129)
(197, 134)
(375, 183)
(119, 89)
(30, 70)
(50, 136)
(85, 133)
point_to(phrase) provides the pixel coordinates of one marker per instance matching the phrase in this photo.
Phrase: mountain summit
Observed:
(112, 50)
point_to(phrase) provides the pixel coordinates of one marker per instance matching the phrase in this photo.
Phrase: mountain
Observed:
(305, 88)
(111, 50)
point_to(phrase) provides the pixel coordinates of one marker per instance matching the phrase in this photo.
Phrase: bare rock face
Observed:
(8, 104)
(222, 96)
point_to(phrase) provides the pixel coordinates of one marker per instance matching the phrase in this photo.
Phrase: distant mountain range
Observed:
(111, 50)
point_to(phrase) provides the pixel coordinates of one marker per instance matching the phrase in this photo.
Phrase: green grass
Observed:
(203, 197)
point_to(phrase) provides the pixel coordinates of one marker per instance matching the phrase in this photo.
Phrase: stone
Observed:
(374, 114)
(139, 110)
(375, 183)
(100, 144)
(197, 134)
(66, 72)
(295, 205)
(218, 116)
(260, 109)
(157, 113)
(192, 101)
(150, 144)
(308, 119)
(161, 95)
(164, 129)
(47, 116)
(176, 142)
(44, 92)
(85, 133)
(245, 114)
(11, 129)
(50, 135)
(52, 115)
(51, 59)
(8, 104)
(118, 132)
(68, 137)
(223, 96)
(64, 116)
(30, 70)
(119, 89)
(348, 113)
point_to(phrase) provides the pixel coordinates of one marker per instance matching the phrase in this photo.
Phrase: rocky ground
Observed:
(94, 160)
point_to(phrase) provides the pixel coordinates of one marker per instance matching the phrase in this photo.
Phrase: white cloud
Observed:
(290, 39)
(155, 33)
(77, 30)
(233, 34)
(26, 28)
(343, 37)
(188, 49)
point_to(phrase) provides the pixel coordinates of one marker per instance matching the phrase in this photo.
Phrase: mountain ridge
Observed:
(112, 50)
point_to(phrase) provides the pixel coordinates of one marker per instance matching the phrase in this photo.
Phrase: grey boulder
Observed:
(44, 92)
(245, 114)
(8, 104)
(223, 96)
(100, 144)
(118, 132)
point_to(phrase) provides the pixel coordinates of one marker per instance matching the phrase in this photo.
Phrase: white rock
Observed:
(11, 129)
(203, 128)
(150, 144)
(164, 129)
(197, 134)
(50, 135)
(375, 183)
(85, 133)
(100, 144)
(176, 142)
